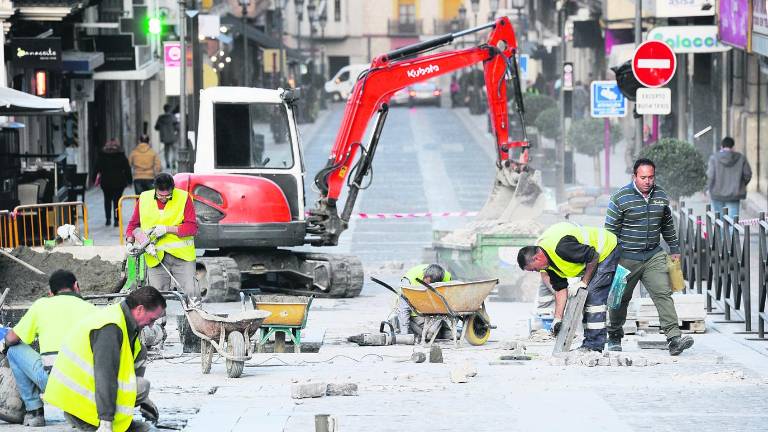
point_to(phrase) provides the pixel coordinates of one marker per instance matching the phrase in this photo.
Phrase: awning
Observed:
(16, 103)
(259, 37)
(144, 73)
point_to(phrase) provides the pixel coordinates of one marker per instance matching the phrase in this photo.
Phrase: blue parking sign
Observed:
(522, 62)
(606, 100)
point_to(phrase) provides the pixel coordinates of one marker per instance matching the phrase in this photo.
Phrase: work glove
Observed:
(104, 426)
(149, 411)
(575, 287)
(557, 323)
(130, 248)
(159, 231)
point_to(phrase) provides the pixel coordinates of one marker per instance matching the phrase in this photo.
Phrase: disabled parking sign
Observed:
(606, 100)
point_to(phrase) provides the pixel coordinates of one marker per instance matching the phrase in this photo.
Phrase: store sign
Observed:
(689, 39)
(172, 62)
(684, 8)
(734, 26)
(759, 42)
(119, 52)
(35, 53)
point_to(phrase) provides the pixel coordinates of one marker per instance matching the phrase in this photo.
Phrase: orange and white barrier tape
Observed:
(413, 215)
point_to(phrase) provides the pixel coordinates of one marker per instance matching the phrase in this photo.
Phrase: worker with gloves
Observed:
(49, 319)
(408, 321)
(167, 214)
(567, 250)
(97, 379)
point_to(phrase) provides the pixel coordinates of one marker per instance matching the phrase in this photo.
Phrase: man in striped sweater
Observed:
(638, 213)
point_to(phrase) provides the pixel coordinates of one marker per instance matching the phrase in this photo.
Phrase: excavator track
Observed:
(347, 276)
(219, 279)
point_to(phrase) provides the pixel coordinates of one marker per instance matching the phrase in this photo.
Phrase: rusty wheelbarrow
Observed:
(450, 303)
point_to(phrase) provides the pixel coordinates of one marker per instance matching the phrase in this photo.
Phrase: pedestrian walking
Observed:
(168, 127)
(113, 174)
(728, 174)
(98, 377)
(638, 214)
(146, 165)
(48, 320)
(455, 89)
(567, 250)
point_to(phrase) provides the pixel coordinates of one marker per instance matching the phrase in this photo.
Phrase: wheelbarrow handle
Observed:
(394, 291)
(437, 293)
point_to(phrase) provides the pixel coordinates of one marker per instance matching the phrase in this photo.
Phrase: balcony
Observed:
(404, 28)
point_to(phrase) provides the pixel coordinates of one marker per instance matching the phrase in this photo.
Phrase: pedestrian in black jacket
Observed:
(113, 174)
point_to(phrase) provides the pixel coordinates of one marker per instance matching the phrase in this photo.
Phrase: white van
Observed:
(340, 86)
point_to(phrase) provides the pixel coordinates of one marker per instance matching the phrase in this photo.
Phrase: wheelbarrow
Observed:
(450, 303)
(289, 317)
(229, 335)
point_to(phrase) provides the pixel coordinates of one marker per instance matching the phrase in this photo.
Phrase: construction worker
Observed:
(639, 214)
(169, 215)
(430, 273)
(97, 379)
(567, 250)
(49, 319)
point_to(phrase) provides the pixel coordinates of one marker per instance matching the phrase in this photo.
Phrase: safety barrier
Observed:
(35, 223)
(7, 236)
(120, 213)
(716, 254)
(762, 314)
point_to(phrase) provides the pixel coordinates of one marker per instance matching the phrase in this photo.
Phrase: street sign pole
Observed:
(638, 40)
(607, 148)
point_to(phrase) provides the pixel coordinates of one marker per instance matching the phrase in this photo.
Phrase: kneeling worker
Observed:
(566, 250)
(97, 379)
(49, 319)
(429, 273)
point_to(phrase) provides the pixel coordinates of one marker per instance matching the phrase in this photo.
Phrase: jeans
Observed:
(170, 154)
(732, 206)
(31, 378)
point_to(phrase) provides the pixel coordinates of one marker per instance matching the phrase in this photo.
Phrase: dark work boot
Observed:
(614, 344)
(35, 418)
(679, 344)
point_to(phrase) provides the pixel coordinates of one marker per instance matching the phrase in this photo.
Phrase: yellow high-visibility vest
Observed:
(71, 384)
(601, 239)
(172, 215)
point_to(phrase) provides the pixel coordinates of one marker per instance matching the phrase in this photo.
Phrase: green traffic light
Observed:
(155, 25)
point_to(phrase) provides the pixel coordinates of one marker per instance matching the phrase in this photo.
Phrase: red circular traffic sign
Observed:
(654, 63)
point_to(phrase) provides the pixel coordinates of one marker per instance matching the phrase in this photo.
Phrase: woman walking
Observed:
(113, 174)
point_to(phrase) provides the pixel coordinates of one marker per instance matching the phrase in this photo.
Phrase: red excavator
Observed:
(248, 180)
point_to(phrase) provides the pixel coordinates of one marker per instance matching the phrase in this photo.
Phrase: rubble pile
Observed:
(608, 358)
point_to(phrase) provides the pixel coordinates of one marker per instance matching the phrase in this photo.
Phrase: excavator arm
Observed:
(396, 70)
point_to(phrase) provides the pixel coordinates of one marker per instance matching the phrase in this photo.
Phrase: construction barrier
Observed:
(35, 223)
(7, 236)
(120, 228)
(762, 314)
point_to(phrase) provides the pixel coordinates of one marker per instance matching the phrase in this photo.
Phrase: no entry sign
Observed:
(654, 63)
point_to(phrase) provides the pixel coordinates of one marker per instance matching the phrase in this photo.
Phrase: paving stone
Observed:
(459, 376)
(309, 390)
(435, 354)
(346, 389)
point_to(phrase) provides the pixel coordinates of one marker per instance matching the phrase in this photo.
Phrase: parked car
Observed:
(400, 97)
(340, 86)
(424, 93)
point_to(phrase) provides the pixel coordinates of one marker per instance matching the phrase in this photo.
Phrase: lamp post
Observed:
(475, 4)
(462, 22)
(494, 7)
(299, 16)
(518, 6)
(244, 4)
(323, 20)
(281, 46)
(312, 16)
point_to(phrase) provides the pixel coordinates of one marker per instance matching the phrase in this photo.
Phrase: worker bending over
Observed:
(97, 379)
(408, 321)
(566, 250)
(49, 319)
(169, 215)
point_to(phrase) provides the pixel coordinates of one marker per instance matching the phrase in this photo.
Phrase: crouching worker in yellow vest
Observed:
(407, 319)
(170, 215)
(97, 378)
(566, 250)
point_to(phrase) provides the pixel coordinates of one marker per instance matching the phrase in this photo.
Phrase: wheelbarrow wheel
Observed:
(476, 331)
(206, 356)
(235, 348)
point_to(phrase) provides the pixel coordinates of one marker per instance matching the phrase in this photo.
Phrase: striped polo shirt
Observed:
(638, 222)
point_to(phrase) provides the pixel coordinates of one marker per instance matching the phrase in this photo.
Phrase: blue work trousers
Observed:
(31, 377)
(597, 296)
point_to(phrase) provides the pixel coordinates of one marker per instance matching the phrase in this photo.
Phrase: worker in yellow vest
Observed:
(97, 378)
(170, 215)
(567, 250)
(48, 320)
(408, 321)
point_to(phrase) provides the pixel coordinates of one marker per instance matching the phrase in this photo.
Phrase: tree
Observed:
(680, 169)
(587, 137)
(548, 123)
(534, 105)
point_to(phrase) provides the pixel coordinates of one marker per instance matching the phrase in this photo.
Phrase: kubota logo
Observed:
(415, 73)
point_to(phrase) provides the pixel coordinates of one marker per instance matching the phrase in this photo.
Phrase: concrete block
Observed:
(308, 390)
(615, 361)
(459, 376)
(640, 362)
(418, 357)
(604, 361)
(346, 389)
(435, 354)
(469, 369)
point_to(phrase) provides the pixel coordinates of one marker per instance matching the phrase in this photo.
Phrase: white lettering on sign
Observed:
(415, 73)
(654, 64)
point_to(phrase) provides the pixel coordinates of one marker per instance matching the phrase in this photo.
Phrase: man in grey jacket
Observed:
(728, 174)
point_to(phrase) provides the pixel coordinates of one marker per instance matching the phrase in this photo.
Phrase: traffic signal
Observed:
(626, 80)
(154, 25)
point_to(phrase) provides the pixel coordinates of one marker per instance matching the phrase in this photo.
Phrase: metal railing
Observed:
(7, 236)
(35, 223)
(120, 214)
(762, 314)
(398, 27)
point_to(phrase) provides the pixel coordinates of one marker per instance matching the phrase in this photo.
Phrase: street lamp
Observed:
(299, 16)
(282, 4)
(475, 4)
(323, 20)
(312, 15)
(494, 7)
(245, 4)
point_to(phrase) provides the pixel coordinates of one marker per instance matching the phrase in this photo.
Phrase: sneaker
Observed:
(679, 344)
(613, 345)
(35, 418)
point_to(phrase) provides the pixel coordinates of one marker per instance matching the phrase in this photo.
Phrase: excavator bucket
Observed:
(514, 197)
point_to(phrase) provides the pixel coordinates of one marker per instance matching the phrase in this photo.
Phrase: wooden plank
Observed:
(574, 312)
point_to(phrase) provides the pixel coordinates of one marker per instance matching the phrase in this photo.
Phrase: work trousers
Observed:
(655, 277)
(595, 306)
(183, 271)
(29, 373)
(142, 395)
